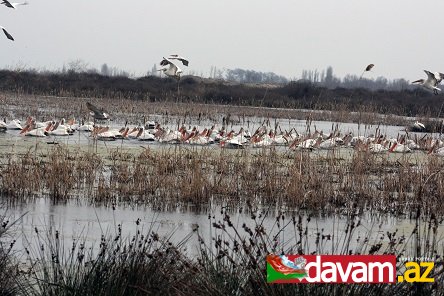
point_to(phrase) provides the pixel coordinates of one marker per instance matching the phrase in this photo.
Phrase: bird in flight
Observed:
(96, 112)
(177, 57)
(173, 70)
(9, 36)
(433, 79)
(13, 5)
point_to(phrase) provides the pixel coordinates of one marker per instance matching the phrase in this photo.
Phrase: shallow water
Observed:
(76, 220)
(81, 222)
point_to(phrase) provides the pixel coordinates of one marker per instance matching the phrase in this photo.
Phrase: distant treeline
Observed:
(324, 78)
(295, 94)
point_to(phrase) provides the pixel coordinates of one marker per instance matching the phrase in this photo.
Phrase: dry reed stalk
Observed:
(319, 181)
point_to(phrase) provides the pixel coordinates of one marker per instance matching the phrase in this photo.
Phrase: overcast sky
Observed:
(280, 36)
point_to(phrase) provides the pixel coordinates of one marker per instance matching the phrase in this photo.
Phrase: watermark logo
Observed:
(417, 270)
(282, 268)
(374, 269)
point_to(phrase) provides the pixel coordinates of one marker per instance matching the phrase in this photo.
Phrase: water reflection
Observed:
(75, 220)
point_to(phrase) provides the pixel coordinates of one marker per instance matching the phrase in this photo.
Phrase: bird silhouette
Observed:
(9, 36)
(13, 5)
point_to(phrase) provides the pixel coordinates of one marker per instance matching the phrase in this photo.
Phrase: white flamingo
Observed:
(377, 148)
(3, 126)
(36, 129)
(107, 134)
(331, 143)
(308, 144)
(232, 143)
(14, 124)
(83, 126)
(399, 148)
(145, 135)
(168, 136)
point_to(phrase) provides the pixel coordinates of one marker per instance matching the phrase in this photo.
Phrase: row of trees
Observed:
(296, 94)
(328, 79)
(324, 78)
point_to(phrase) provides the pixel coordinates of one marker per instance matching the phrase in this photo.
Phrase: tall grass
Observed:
(9, 271)
(169, 111)
(234, 261)
(322, 182)
(140, 265)
(231, 261)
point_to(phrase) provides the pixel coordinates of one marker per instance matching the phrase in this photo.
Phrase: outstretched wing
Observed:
(165, 62)
(9, 36)
(177, 57)
(7, 4)
(92, 107)
(439, 76)
(429, 74)
(431, 78)
(98, 114)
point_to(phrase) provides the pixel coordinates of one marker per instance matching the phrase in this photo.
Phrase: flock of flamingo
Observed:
(264, 136)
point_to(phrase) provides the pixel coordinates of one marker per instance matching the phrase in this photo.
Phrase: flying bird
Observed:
(433, 79)
(368, 68)
(173, 70)
(96, 112)
(9, 36)
(177, 57)
(13, 5)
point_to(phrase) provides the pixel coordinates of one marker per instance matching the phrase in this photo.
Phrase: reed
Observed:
(297, 186)
(138, 265)
(229, 262)
(168, 112)
(234, 259)
(9, 271)
(321, 182)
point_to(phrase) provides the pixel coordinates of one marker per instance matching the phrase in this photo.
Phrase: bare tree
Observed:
(104, 70)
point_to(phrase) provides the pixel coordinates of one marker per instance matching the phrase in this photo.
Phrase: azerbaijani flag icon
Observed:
(281, 268)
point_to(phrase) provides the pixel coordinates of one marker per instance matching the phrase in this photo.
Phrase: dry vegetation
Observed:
(168, 176)
(232, 263)
(299, 94)
(173, 175)
(169, 112)
(342, 181)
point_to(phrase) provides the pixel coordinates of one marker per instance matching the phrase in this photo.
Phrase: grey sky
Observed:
(280, 36)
